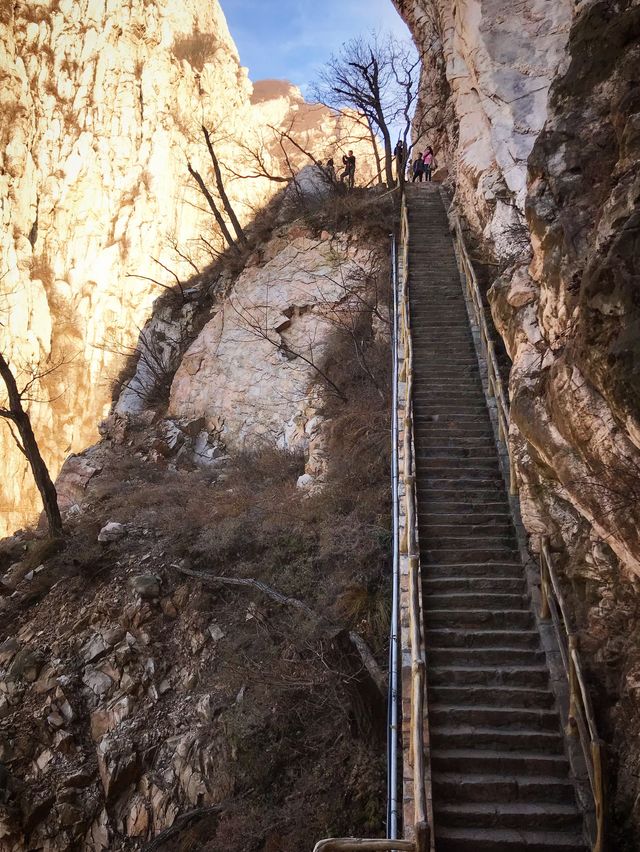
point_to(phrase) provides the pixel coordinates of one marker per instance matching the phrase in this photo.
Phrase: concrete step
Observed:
(439, 511)
(448, 585)
(510, 762)
(506, 840)
(485, 453)
(480, 497)
(441, 526)
(520, 815)
(507, 718)
(460, 638)
(492, 696)
(456, 468)
(477, 600)
(432, 553)
(495, 739)
(461, 787)
(478, 618)
(499, 655)
(502, 568)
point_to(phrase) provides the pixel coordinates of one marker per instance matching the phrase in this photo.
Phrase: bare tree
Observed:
(221, 188)
(379, 79)
(14, 413)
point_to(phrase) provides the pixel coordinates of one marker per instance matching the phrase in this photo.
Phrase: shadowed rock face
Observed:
(575, 380)
(568, 310)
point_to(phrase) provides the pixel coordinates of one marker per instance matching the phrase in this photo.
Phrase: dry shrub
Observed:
(197, 48)
(369, 212)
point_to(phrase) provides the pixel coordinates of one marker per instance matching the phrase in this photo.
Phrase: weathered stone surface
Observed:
(484, 97)
(251, 370)
(112, 531)
(146, 585)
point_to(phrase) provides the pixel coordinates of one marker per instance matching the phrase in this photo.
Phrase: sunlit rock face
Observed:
(487, 71)
(102, 104)
(567, 309)
(256, 373)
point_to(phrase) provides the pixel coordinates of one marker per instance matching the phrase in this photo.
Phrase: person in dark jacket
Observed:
(418, 169)
(349, 173)
(400, 153)
(330, 171)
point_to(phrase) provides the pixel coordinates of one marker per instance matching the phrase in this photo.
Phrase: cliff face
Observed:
(550, 116)
(102, 105)
(488, 65)
(179, 671)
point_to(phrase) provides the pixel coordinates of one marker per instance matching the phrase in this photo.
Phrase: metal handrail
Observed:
(581, 716)
(405, 548)
(495, 386)
(394, 633)
(409, 548)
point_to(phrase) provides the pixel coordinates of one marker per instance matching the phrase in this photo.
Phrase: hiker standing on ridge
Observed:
(330, 171)
(399, 153)
(349, 173)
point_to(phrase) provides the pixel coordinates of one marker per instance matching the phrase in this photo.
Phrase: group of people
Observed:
(423, 165)
(348, 176)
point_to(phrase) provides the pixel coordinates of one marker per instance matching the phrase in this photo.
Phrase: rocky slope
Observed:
(540, 130)
(102, 106)
(182, 672)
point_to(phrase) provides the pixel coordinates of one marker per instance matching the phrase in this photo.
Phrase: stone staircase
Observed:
(501, 779)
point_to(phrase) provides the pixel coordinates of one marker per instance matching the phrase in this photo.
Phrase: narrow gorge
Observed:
(202, 661)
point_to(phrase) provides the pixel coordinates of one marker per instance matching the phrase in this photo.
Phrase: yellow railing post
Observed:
(545, 612)
(574, 688)
(598, 794)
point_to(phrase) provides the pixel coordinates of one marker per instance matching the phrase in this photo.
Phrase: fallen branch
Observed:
(180, 825)
(363, 650)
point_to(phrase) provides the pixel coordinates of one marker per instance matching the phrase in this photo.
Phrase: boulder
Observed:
(26, 665)
(112, 531)
(147, 586)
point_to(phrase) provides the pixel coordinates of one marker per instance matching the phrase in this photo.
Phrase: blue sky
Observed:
(284, 39)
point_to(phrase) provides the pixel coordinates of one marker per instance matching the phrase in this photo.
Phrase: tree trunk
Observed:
(16, 414)
(388, 158)
(212, 204)
(376, 153)
(221, 190)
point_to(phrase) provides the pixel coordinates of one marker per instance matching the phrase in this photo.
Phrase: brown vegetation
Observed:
(197, 48)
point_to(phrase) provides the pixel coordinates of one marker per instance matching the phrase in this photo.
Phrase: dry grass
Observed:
(197, 48)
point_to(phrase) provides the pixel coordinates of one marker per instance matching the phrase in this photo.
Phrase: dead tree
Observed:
(15, 414)
(226, 233)
(221, 188)
(378, 79)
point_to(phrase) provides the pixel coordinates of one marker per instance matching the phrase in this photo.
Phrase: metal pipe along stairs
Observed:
(500, 776)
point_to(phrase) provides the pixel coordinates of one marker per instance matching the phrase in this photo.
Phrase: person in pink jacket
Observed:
(428, 160)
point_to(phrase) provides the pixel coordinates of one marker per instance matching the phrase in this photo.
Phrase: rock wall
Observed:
(567, 307)
(102, 104)
(488, 65)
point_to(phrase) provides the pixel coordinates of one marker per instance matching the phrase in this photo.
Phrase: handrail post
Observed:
(545, 610)
(574, 687)
(598, 793)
